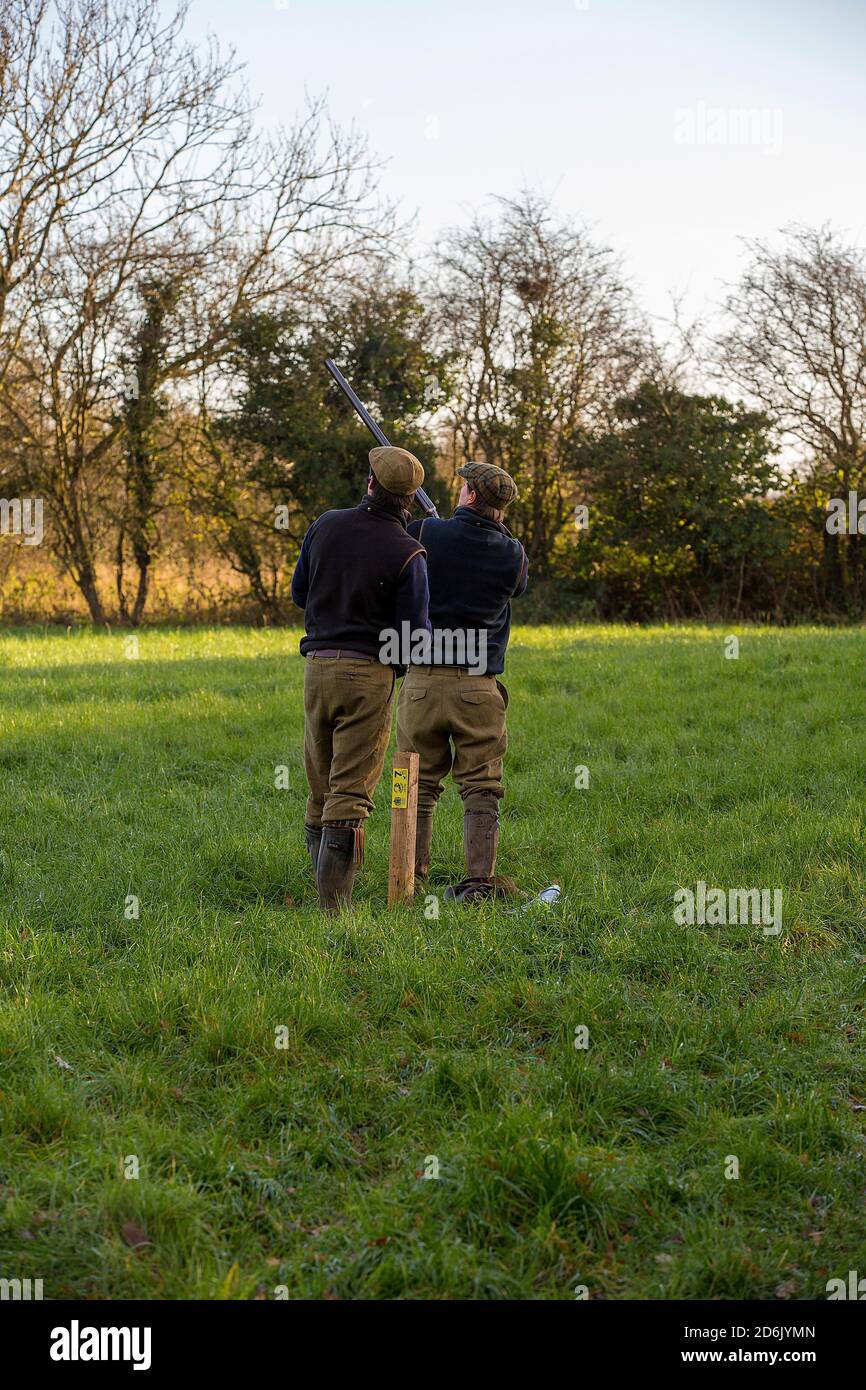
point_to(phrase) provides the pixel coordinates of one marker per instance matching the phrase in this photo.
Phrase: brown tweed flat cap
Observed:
(396, 469)
(493, 485)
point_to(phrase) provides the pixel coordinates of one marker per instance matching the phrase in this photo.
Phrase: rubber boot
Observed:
(341, 852)
(313, 837)
(480, 843)
(423, 841)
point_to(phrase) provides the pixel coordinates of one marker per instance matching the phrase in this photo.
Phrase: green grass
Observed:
(409, 1035)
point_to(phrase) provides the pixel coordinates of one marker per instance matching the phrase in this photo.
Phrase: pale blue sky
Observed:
(612, 106)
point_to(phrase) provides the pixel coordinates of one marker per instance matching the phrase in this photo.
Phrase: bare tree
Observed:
(112, 131)
(174, 219)
(94, 94)
(543, 337)
(310, 211)
(238, 518)
(796, 343)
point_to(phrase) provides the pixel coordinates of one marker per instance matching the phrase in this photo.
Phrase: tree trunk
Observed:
(834, 572)
(86, 580)
(141, 550)
(248, 562)
(122, 610)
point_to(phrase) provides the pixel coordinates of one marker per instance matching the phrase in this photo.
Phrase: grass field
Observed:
(410, 1037)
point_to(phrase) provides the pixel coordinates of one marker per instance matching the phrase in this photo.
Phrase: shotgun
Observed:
(377, 434)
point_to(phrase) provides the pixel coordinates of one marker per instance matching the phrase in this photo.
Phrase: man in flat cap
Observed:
(359, 572)
(475, 567)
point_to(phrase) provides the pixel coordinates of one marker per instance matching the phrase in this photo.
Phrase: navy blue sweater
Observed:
(474, 567)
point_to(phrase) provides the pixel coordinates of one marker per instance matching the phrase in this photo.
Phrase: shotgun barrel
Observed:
(423, 500)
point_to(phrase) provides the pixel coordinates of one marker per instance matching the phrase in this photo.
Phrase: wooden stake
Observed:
(404, 814)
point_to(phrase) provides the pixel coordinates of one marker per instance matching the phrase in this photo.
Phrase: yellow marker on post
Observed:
(404, 814)
(400, 789)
